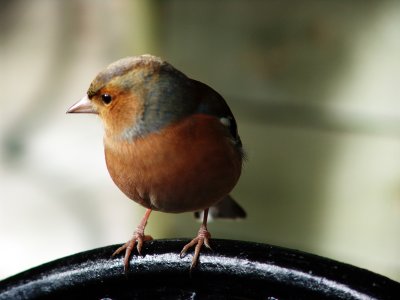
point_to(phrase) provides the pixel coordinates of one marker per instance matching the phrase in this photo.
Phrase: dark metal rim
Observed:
(243, 264)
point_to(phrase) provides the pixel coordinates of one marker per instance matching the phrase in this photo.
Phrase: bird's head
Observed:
(137, 95)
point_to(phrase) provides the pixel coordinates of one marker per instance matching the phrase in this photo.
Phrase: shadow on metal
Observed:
(233, 270)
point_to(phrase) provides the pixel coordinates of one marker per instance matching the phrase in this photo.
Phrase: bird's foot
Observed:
(137, 239)
(203, 238)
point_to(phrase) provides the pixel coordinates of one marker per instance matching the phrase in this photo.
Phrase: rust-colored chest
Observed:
(187, 166)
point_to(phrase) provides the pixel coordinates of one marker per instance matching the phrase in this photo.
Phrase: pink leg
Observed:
(139, 237)
(202, 238)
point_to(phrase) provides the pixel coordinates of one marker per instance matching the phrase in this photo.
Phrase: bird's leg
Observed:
(203, 238)
(138, 237)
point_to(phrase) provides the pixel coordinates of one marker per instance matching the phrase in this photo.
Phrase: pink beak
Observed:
(82, 106)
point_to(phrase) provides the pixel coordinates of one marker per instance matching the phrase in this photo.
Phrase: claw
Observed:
(139, 246)
(120, 249)
(203, 238)
(137, 240)
(207, 242)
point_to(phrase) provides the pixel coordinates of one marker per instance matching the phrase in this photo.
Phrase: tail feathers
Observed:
(227, 208)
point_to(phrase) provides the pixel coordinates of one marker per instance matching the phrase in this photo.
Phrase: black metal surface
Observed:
(233, 270)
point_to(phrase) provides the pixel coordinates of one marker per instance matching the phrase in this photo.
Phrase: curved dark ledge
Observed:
(233, 270)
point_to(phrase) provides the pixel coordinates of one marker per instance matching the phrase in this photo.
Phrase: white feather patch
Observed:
(225, 121)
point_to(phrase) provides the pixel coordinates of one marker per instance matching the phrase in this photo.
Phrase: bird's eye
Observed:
(106, 98)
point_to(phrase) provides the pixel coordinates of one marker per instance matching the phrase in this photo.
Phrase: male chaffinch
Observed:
(171, 143)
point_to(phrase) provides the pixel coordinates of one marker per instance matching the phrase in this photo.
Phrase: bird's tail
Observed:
(227, 208)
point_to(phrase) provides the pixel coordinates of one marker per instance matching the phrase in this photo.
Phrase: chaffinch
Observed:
(171, 143)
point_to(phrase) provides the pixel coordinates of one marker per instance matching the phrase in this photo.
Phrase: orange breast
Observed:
(188, 166)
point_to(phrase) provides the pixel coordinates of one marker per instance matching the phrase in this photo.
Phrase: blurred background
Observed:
(314, 86)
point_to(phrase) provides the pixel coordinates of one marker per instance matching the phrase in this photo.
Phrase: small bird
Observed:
(171, 144)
